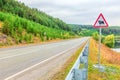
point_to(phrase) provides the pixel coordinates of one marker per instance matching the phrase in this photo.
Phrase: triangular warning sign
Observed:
(101, 22)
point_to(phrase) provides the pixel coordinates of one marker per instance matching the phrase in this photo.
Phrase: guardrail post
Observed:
(77, 73)
(80, 74)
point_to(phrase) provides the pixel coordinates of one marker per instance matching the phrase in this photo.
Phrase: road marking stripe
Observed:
(1, 58)
(16, 55)
(8, 78)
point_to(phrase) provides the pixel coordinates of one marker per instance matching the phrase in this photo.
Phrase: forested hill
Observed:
(20, 9)
(20, 24)
(88, 30)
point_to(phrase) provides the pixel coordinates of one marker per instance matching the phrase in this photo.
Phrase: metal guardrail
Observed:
(77, 73)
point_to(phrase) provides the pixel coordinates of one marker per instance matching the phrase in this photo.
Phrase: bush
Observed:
(109, 40)
(95, 36)
(28, 38)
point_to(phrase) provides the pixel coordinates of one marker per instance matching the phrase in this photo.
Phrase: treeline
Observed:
(108, 40)
(88, 30)
(82, 30)
(112, 30)
(20, 9)
(23, 30)
(75, 28)
(110, 36)
(117, 41)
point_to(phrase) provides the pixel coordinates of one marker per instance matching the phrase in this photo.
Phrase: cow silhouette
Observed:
(100, 22)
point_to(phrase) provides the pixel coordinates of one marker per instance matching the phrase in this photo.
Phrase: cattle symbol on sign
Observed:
(101, 22)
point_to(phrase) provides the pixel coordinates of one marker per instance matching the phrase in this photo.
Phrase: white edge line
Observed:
(8, 78)
(2, 58)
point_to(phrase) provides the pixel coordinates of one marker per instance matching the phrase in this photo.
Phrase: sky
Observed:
(79, 11)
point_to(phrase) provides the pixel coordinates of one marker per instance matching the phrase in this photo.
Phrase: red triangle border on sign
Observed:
(101, 15)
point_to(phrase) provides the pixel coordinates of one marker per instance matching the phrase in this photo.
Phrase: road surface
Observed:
(14, 60)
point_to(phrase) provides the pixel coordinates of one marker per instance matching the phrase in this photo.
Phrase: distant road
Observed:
(14, 60)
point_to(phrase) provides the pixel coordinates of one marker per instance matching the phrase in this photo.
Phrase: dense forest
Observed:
(20, 9)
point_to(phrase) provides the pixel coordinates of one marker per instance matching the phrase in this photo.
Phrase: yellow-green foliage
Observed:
(23, 30)
(109, 40)
(95, 36)
(17, 8)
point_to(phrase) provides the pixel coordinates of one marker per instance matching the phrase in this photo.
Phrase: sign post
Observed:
(99, 45)
(100, 23)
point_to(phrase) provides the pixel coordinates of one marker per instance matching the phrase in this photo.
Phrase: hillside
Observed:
(19, 30)
(20, 9)
(21, 24)
(83, 30)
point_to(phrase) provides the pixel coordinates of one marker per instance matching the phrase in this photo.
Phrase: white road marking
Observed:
(19, 54)
(1, 58)
(14, 55)
(8, 78)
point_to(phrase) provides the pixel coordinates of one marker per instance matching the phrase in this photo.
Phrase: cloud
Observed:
(79, 11)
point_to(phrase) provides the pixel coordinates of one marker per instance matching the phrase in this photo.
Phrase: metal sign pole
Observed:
(100, 23)
(99, 45)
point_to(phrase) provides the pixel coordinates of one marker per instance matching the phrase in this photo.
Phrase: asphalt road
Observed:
(14, 60)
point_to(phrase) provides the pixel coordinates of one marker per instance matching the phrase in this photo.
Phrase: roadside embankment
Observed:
(109, 58)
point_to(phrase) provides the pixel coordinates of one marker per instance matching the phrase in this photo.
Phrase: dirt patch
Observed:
(1, 24)
(3, 38)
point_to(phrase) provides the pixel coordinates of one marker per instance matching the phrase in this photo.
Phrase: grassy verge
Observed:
(109, 58)
(62, 73)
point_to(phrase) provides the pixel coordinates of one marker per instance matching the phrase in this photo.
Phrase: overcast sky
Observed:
(79, 11)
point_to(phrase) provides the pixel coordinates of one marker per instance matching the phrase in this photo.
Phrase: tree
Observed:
(1, 4)
(96, 36)
(109, 40)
